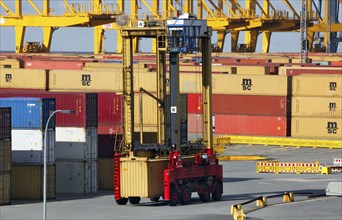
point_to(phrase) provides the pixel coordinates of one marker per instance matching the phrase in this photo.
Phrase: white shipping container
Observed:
(27, 146)
(70, 134)
(86, 150)
(76, 177)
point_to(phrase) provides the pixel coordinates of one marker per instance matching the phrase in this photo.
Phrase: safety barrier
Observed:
(239, 214)
(335, 167)
(288, 167)
(279, 141)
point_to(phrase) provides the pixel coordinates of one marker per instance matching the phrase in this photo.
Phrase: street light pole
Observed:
(45, 146)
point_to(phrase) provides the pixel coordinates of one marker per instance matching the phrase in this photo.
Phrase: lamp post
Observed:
(45, 146)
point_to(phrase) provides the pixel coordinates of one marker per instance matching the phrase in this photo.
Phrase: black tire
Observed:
(122, 201)
(174, 196)
(134, 200)
(186, 196)
(205, 194)
(217, 191)
(155, 199)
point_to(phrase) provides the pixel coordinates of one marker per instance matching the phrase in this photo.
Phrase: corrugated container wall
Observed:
(76, 143)
(5, 156)
(5, 188)
(5, 124)
(250, 105)
(85, 81)
(23, 79)
(84, 105)
(250, 85)
(325, 107)
(105, 175)
(28, 146)
(251, 125)
(76, 177)
(317, 85)
(109, 113)
(27, 182)
(30, 113)
(330, 128)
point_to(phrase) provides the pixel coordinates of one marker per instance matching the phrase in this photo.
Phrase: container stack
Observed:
(316, 106)
(76, 144)
(250, 105)
(75, 139)
(109, 136)
(5, 156)
(29, 117)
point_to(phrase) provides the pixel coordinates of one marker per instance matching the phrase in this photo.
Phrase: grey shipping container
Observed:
(73, 150)
(76, 177)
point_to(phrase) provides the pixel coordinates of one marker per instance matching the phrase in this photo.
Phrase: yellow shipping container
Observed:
(10, 63)
(317, 85)
(149, 173)
(317, 107)
(330, 128)
(5, 188)
(23, 78)
(85, 81)
(250, 84)
(251, 70)
(27, 182)
(105, 173)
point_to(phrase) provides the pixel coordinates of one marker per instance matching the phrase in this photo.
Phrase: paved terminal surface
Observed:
(241, 183)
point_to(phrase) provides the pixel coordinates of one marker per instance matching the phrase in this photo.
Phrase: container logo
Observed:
(332, 127)
(8, 77)
(333, 86)
(86, 79)
(247, 84)
(332, 106)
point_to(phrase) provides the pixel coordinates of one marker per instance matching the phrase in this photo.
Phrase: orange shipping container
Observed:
(316, 128)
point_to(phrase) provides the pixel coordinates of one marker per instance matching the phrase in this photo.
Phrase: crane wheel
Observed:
(216, 191)
(134, 200)
(205, 194)
(122, 201)
(185, 196)
(155, 199)
(174, 196)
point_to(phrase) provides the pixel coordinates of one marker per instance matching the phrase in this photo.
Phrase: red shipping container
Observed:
(251, 125)
(250, 105)
(195, 123)
(113, 129)
(84, 105)
(195, 104)
(318, 70)
(109, 108)
(53, 64)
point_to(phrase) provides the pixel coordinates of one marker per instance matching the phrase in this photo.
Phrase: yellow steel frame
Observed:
(72, 18)
(278, 141)
(224, 16)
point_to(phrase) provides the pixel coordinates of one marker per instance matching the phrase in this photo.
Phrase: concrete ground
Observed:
(241, 183)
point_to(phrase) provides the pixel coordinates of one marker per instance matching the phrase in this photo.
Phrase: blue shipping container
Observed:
(30, 113)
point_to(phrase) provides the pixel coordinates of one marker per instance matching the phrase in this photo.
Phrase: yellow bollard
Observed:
(261, 202)
(326, 170)
(238, 214)
(288, 197)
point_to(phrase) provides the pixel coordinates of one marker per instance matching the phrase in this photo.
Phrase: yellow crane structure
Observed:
(251, 17)
(76, 15)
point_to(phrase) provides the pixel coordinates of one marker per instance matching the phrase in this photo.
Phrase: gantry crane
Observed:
(159, 169)
(76, 15)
